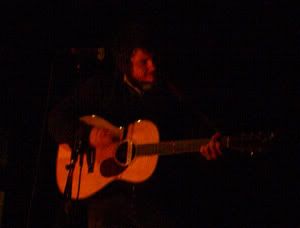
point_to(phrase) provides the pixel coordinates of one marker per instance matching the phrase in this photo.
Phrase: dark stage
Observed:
(237, 63)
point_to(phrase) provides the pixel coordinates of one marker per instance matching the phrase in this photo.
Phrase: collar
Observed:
(135, 88)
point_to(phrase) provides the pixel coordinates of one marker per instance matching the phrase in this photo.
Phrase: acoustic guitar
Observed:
(132, 159)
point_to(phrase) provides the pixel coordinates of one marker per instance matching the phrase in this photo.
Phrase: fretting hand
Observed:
(212, 150)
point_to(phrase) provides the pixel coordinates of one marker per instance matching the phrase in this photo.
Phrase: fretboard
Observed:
(171, 147)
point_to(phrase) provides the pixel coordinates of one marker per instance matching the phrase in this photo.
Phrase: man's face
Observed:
(142, 66)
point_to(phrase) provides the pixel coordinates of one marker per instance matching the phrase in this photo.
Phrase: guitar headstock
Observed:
(249, 143)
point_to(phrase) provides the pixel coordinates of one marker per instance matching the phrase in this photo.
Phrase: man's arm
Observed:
(63, 121)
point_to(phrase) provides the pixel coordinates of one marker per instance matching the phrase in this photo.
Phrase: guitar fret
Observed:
(170, 147)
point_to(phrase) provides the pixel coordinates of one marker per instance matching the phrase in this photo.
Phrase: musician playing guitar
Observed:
(110, 117)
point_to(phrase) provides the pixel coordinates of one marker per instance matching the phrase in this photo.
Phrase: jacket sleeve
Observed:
(63, 120)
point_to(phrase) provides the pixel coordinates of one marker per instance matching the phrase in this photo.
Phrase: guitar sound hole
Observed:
(125, 153)
(110, 168)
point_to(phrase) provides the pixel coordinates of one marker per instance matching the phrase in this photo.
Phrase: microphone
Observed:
(84, 147)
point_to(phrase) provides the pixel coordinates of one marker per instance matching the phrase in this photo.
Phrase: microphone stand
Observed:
(76, 152)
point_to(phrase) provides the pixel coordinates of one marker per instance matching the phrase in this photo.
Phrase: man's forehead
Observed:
(141, 52)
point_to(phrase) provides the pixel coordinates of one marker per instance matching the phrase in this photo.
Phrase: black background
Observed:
(237, 62)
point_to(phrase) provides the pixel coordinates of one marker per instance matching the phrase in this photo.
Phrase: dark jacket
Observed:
(115, 101)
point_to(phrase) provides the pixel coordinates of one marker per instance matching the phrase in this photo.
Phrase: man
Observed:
(135, 93)
(141, 79)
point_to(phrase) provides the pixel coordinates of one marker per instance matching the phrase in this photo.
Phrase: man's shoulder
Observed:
(103, 80)
(174, 91)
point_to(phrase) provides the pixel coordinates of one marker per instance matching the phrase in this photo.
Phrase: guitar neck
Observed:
(243, 144)
(171, 147)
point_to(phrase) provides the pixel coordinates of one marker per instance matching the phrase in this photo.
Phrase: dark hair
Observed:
(129, 37)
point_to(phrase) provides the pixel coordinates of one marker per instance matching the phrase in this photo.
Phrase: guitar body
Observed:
(135, 158)
(106, 168)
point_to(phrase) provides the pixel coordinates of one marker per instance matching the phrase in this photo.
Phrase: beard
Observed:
(143, 84)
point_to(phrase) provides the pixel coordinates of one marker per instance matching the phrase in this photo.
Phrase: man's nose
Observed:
(151, 65)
